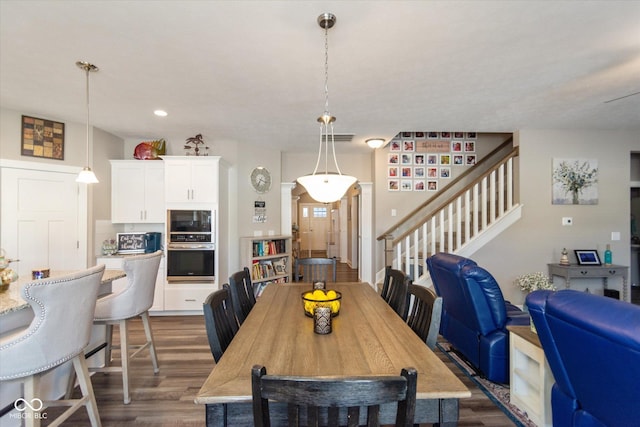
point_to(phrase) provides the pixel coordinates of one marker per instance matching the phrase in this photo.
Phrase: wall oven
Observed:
(191, 246)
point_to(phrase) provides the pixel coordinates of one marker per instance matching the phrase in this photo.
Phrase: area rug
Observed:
(497, 393)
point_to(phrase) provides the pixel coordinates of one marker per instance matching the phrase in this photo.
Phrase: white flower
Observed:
(533, 281)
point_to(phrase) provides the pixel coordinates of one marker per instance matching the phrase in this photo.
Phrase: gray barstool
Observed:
(133, 301)
(63, 311)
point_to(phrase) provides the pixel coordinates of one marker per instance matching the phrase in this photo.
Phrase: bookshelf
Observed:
(268, 258)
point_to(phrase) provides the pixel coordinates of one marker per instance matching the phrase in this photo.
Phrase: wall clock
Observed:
(260, 179)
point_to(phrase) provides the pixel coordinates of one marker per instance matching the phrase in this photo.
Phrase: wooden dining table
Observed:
(367, 338)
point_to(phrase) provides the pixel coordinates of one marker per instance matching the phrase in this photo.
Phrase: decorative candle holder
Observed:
(322, 320)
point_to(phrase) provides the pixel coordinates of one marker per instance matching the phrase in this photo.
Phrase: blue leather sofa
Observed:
(592, 344)
(474, 314)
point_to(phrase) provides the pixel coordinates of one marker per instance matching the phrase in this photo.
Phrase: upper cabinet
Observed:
(191, 179)
(137, 194)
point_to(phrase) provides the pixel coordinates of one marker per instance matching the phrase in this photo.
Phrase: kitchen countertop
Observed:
(11, 300)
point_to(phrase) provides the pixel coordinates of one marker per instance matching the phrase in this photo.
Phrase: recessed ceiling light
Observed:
(160, 113)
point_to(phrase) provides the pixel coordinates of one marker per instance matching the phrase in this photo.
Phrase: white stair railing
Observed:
(459, 221)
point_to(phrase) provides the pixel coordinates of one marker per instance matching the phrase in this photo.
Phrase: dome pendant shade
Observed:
(86, 176)
(326, 187)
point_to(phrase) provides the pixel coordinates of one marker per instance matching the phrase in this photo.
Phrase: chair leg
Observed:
(109, 341)
(31, 388)
(152, 348)
(124, 355)
(82, 372)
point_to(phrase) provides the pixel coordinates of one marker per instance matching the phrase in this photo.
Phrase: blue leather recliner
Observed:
(474, 314)
(592, 344)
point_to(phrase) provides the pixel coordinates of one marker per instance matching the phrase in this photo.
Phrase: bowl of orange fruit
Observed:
(321, 298)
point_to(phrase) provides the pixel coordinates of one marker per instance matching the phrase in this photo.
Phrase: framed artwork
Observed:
(445, 159)
(445, 172)
(393, 159)
(432, 185)
(472, 135)
(469, 146)
(395, 145)
(458, 134)
(432, 172)
(406, 159)
(587, 257)
(470, 159)
(418, 159)
(458, 159)
(445, 135)
(409, 146)
(406, 185)
(419, 185)
(392, 172)
(407, 172)
(407, 134)
(575, 182)
(393, 185)
(419, 135)
(418, 172)
(432, 135)
(42, 138)
(432, 159)
(456, 146)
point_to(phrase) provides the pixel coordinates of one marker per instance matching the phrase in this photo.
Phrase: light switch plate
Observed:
(567, 220)
(615, 235)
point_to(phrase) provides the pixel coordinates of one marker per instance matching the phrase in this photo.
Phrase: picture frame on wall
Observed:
(393, 185)
(418, 159)
(445, 159)
(432, 159)
(395, 145)
(432, 135)
(418, 172)
(445, 172)
(407, 172)
(458, 159)
(409, 146)
(587, 257)
(458, 135)
(456, 146)
(406, 185)
(469, 146)
(42, 138)
(393, 159)
(470, 159)
(472, 135)
(432, 185)
(419, 185)
(392, 172)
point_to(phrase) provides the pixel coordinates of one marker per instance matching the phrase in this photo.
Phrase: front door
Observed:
(314, 226)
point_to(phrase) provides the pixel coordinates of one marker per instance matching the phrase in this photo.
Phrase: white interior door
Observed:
(41, 220)
(314, 226)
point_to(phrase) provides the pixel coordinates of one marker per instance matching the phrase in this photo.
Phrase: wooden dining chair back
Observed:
(333, 401)
(242, 293)
(424, 314)
(314, 270)
(220, 320)
(394, 291)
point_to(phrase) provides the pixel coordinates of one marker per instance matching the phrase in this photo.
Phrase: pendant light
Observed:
(87, 176)
(326, 187)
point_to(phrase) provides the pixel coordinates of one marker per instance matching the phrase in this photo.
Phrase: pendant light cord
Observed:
(87, 73)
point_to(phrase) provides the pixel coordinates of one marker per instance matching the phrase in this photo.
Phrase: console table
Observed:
(603, 272)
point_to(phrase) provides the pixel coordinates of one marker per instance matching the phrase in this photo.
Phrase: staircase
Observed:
(469, 212)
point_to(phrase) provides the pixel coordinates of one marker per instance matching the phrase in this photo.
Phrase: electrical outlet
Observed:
(567, 220)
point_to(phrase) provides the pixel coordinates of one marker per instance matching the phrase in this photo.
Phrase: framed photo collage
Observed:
(419, 161)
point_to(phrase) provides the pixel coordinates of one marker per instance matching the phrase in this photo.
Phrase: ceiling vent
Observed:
(343, 137)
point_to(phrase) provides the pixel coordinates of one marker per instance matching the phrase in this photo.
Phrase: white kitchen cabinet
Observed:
(137, 191)
(186, 297)
(115, 263)
(191, 179)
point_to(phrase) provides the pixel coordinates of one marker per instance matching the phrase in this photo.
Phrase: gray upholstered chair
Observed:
(333, 401)
(133, 301)
(424, 313)
(314, 270)
(61, 329)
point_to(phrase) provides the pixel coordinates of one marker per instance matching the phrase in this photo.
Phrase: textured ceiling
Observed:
(252, 71)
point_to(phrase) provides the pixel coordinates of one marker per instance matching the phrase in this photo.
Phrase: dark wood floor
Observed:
(166, 399)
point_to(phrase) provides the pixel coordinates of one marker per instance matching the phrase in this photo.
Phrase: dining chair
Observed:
(424, 314)
(61, 328)
(333, 401)
(242, 293)
(120, 307)
(394, 291)
(314, 269)
(220, 320)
